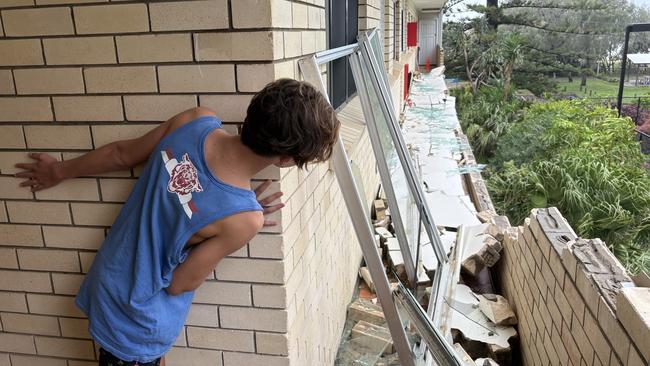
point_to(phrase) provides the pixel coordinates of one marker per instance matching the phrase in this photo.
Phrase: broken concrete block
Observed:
(372, 336)
(383, 232)
(366, 311)
(497, 309)
(380, 209)
(633, 311)
(392, 244)
(365, 274)
(485, 216)
(396, 261)
(354, 352)
(485, 362)
(485, 254)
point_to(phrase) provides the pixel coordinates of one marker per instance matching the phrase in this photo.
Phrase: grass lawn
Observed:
(599, 88)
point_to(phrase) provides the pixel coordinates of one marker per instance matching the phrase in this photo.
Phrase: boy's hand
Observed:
(44, 173)
(267, 200)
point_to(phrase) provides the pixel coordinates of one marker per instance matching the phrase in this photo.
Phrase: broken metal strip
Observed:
(442, 351)
(382, 165)
(309, 68)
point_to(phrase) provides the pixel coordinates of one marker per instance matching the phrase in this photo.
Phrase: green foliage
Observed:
(584, 160)
(485, 117)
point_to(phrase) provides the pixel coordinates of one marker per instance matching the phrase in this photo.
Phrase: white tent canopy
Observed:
(639, 58)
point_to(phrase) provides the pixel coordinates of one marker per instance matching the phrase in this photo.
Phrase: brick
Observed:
(192, 357)
(253, 318)
(154, 48)
(52, 2)
(221, 339)
(270, 296)
(77, 189)
(30, 324)
(18, 360)
(633, 313)
(13, 301)
(53, 305)
(226, 293)
(79, 51)
(229, 108)
(122, 18)
(253, 77)
(49, 81)
(62, 347)
(9, 188)
(574, 298)
(20, 52)
(88, 108)
(58, 137)
(236, 359)
(582, 340)
(16, 343)
(562, 354)
(12, 3)
(597, 338)
(100, 214)
(81, 363)
(66, 284)
(274, 13)
(116, 190)
(48, 260)
(292, 44)
(197, 78)
(314, 15)
(37, 22)
(86, 259)
(238, 269)
(103, 135)
(267, 246)
(6, 82)
(74, 328)
(38, 212)
(123, 79)
(308, 40)
(272, 343)
(183, 15)
(614, 330)
(24, 109)
(156, 107)
(21, 235)
(25, 281)
(587, 289)
(11, 137)
(4, 357)
(73, 237)
(635, 359)
(234, 46)
(203, 315)
(300, 15)
(8, 258)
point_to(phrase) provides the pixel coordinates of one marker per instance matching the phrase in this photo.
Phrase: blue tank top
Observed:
(123, 294)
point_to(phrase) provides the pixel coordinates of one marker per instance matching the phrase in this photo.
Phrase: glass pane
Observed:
(408, 210)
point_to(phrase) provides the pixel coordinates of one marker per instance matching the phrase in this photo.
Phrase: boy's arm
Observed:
(234, 232)
(119, 155)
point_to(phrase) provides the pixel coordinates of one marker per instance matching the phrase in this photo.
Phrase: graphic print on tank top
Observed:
(183, 180)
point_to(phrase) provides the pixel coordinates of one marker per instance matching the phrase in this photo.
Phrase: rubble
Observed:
(365, 274)
(374, 337)
(497, 309)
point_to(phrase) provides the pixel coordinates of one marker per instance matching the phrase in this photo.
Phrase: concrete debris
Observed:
(380, 209)
(485, 362)
(383, 232)
(497, 309)
(460, 351)
(480, 254)
(363, 310)
(374, 337)
(485, 216)
(365, 274)
(396, 261)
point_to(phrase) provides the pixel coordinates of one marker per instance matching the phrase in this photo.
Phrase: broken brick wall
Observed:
(574, 301)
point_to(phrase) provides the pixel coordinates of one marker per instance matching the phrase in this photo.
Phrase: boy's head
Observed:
(290, 118)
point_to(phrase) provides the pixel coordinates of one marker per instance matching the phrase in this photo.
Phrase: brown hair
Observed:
(291, 118)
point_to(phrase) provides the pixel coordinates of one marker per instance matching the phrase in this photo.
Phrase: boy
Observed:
(192, 206)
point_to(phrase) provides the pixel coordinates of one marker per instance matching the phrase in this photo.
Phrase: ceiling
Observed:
(429, 4)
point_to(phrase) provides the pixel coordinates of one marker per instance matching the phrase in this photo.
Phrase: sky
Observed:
(463, 14)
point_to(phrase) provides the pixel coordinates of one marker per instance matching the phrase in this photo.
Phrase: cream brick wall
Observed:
(565, 316)
(77, 74)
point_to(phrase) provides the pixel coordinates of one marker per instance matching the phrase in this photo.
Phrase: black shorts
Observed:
(108, 359)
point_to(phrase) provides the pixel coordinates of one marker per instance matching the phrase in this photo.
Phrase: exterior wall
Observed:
(567, 295)
(370, 14)
(389, 28)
